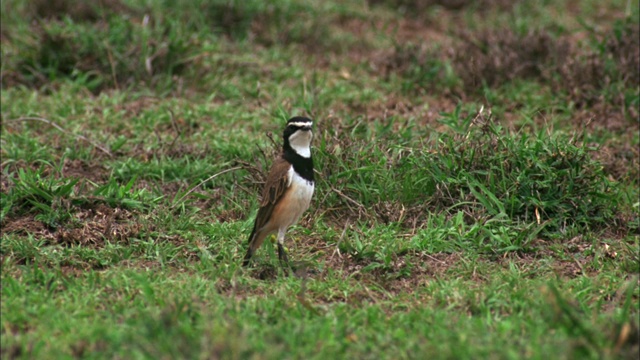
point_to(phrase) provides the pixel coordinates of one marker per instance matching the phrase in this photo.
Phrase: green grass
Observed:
(477, 191)
(166, 313)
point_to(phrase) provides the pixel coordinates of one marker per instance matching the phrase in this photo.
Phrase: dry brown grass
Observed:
(416, 7)
(494, 57)
(79, 11)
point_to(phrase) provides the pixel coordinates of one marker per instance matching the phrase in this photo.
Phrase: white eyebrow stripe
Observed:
(301, 124)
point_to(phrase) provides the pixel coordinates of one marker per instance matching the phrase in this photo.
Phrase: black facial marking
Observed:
(293, 125)
(303, 166)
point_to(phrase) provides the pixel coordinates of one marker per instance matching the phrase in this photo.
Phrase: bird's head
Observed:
(298, 135)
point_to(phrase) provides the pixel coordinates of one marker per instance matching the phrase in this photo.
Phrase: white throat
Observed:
(300, 142)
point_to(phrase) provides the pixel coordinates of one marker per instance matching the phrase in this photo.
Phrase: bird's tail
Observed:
(250, 248)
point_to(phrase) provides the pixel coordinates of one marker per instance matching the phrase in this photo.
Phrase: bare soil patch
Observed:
(266, 272)
(26, 225)
(620, 161)
(396, 110)
(493, 57)
(89, 11)
(573, 267)
(79, 169)
(602, 115)
(92, 225)
(415, 8)
(133, 108)
(99, 224)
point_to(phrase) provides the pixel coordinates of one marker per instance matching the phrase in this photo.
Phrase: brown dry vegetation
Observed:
(415, 8)
(485, 58)
(89, 11)
(91, 225)
(493, 58)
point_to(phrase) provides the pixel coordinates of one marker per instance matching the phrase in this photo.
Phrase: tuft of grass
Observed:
(104, 45)
(68, 50)
(532, 178)
(484, 171)
(33, 192)
(42, 196)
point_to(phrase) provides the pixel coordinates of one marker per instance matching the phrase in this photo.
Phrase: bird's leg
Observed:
(282, 254)
(247, 257)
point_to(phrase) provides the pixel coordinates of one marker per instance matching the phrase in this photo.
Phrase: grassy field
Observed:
(477, 163)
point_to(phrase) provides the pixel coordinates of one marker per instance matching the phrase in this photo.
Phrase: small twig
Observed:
(257, 175)
(579, 265)
(81, 137)
(434, 259)
(159, 139)
(348, 198)
(344, 232)
(175, 128)
(274, 143)
(204, 181)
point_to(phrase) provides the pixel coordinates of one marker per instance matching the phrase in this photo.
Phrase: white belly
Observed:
(295, 202)
(300, 194)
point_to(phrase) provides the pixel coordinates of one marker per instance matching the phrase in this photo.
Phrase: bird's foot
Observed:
(284, 259)
(247, 258)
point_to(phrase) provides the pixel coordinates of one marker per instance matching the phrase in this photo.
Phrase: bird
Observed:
(288, 188)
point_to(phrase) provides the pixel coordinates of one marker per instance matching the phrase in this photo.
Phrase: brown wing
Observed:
(274, 188)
